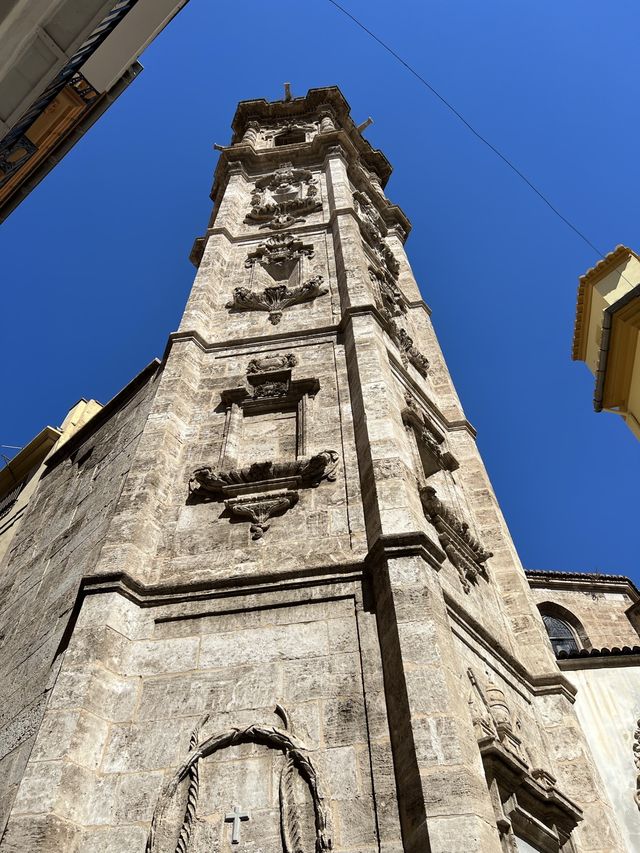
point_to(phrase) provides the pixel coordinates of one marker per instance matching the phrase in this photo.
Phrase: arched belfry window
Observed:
(290, 137)
(561, 634)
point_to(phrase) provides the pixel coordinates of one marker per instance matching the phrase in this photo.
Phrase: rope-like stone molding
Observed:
(296, 757)
(192, 794)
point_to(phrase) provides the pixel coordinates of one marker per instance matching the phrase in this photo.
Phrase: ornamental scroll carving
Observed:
(429, 438)
(276, 298)
(279, 254)
(409, 353)
(374, 230)
(207, 483)
(461, 547)
(283, 198)
(297, 763)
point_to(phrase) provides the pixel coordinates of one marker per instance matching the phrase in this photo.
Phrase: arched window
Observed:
(564, 629)
(561, 634)
(290, 137)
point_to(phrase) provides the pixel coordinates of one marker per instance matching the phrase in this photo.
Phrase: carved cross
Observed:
(235, 817)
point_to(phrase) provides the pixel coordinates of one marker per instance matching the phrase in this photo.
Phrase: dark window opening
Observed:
(561, 634)
(290, 137)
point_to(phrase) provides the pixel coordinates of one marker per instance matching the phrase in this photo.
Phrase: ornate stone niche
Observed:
(186, 819)
(270, 407)
(289, 133)
(283, 198)
(279, 259)
(461, 547)
(429, 440)
(526, 801)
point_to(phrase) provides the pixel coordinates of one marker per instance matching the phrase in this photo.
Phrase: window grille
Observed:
(561, 634)
(10, 498)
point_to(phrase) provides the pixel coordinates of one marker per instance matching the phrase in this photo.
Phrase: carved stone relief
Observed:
(279, 255)
(209, 483)
(526, 801)
(388, 293)
(276, 298)
(296, 764)
(271, 363)
(429, 439)
(264, 488)
(409, 353)
(283, 198)
(460, 545)
(374, 230)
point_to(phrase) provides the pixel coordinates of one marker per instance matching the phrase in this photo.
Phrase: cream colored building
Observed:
(20, 476)
(606, 333)
(592, 621)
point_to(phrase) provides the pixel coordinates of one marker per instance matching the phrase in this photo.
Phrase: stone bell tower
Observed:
(300, 623)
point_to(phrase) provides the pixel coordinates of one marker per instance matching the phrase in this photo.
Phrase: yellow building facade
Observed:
(606, 333)
(20, 476)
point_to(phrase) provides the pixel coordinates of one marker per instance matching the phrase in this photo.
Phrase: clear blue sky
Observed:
(95, 262)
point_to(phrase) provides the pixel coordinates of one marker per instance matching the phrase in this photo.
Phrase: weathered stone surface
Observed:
(345, 670)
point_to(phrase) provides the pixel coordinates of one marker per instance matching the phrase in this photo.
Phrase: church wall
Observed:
(135, 682)
(601, 614)
(58, 542)
(608, 708)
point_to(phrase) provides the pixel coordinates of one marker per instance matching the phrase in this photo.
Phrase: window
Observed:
(290, 137)
(561, 634)
(11, 497)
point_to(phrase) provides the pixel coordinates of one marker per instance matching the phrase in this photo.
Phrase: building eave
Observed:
(553, 579)
(30, 457)
(583, 302)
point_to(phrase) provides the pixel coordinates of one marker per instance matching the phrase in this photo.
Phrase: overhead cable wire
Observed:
(470, 127)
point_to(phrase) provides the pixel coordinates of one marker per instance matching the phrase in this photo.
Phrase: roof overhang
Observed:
(31, 456)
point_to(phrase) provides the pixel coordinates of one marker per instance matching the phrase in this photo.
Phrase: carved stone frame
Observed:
(284, 393)
(525, 799)
(263, 489)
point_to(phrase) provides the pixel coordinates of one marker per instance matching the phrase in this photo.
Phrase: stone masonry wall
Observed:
(602, 614)
(59, 540)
